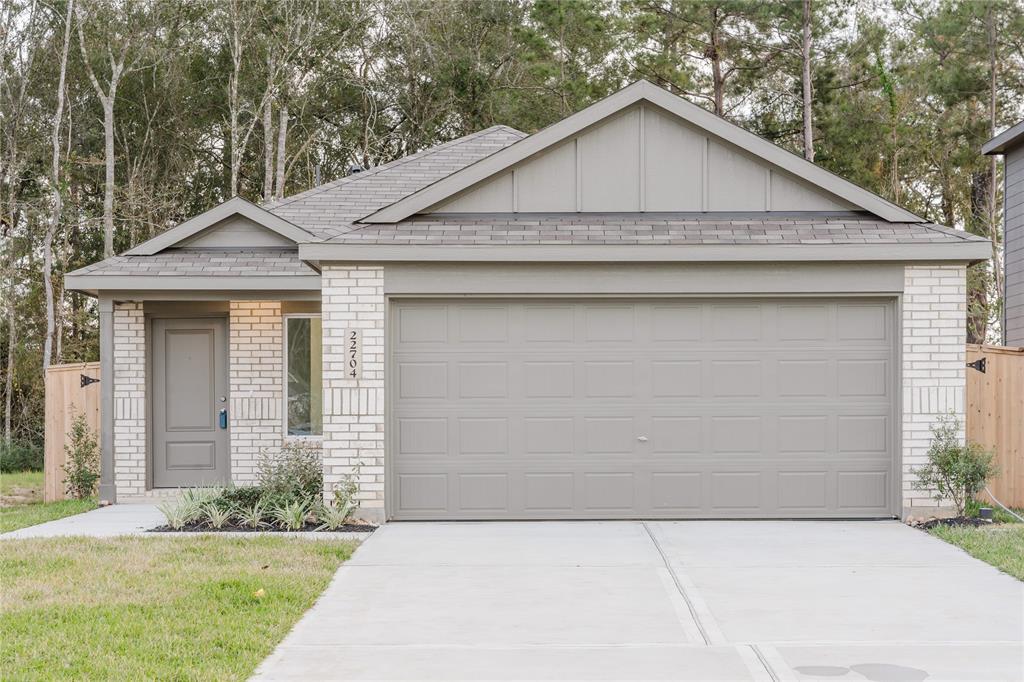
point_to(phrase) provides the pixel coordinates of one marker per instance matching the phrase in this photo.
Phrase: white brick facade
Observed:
(256, 384)
(933, 381)
(129, 399)
(934, 338)
(353, 298)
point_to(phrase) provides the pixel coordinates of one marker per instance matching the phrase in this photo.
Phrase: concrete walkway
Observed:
(105, 522)
(660, 601)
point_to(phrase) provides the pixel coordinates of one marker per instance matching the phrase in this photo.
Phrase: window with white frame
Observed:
(303, 369)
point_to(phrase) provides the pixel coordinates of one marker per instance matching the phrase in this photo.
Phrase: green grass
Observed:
(154, 608)
(21, 502)
(13, 518)
(999, 545)
(22, 482)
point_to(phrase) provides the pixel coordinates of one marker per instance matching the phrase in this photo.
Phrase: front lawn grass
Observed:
(13, 518)
(21, 502)
(999, 545)
(202, 608)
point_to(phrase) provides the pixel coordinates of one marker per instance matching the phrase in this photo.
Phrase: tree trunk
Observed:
(715, 55)
(282, 139)
(806, 78)
(56, 198)
(9, 379)
(108, 189)
(993, 222)
(268, 153)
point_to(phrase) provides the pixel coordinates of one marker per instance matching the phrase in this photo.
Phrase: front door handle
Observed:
(642, 439)
(223, 414)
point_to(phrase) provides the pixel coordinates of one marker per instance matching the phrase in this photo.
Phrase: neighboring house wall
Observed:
(1014, 247)
(934, 352)
(256, 381)
(353, 298)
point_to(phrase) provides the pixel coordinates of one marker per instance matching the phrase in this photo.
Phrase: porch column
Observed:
(107, 491)
(352, 299)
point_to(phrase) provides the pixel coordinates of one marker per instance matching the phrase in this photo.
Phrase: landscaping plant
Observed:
(335, 514)
(296, 471)
(291, 516)
(83, 460)
(178, 513)
(252, 516)
(956, 470)
(216, 516)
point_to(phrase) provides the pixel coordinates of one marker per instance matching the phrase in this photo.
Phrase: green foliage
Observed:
(82, 468)
(15, 457)
(178, 513)
(956, 471)
(294, 472)
(215, 516)
(291, 515)
(253, 516)
(336, 514)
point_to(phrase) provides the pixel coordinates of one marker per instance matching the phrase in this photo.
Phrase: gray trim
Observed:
(107, 487)
(225, 295)
(637, 92)
(603, 279)
(1005, 140)
(87, 283)
(237, 205)
(967, 251)
(184, 308)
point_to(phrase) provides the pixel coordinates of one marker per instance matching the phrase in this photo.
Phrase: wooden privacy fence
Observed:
(995, 415)
(65, 398)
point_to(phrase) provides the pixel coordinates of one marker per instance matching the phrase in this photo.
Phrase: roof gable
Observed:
(236, 223)
(641, 149)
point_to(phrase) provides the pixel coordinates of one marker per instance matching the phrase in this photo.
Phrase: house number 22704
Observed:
(353, 353)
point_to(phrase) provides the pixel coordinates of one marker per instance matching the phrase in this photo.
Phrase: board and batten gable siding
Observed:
(1013, 240)
(235, 232)
(643, 160)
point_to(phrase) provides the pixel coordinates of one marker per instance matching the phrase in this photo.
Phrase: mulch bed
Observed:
(231, 528)
(954, 522)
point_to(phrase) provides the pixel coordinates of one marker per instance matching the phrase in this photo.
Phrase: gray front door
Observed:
(721, 408)
(190, 389)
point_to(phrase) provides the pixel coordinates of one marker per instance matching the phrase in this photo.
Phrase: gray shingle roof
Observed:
(649, 229)
(329, 210)
(189, 263)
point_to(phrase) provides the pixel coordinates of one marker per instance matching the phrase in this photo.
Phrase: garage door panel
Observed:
(548, 409)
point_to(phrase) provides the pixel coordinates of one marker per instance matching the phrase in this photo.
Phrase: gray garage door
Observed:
(673, 408)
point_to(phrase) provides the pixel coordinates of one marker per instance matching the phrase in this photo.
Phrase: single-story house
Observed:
(641, 311)
(1010, 144)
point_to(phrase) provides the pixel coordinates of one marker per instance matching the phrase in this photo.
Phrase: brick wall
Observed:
(934, 338)
(353, 298)
(129, 400)
(256, 383)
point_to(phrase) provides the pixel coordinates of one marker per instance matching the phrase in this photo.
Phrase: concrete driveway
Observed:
(714, 600)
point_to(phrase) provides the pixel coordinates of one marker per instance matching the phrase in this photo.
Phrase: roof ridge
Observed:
(395, 163)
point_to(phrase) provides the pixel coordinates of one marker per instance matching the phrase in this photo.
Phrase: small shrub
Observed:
(296, 472)
(216, 516)
(202, 496)
(15, 457)
(176, 512)
(252, 516)
(334, 515)
(291, 516)
(83, 460)
(243, 497)
(955, 471)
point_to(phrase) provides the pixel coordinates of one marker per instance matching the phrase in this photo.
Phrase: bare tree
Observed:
(121, 59)
(56, 197)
